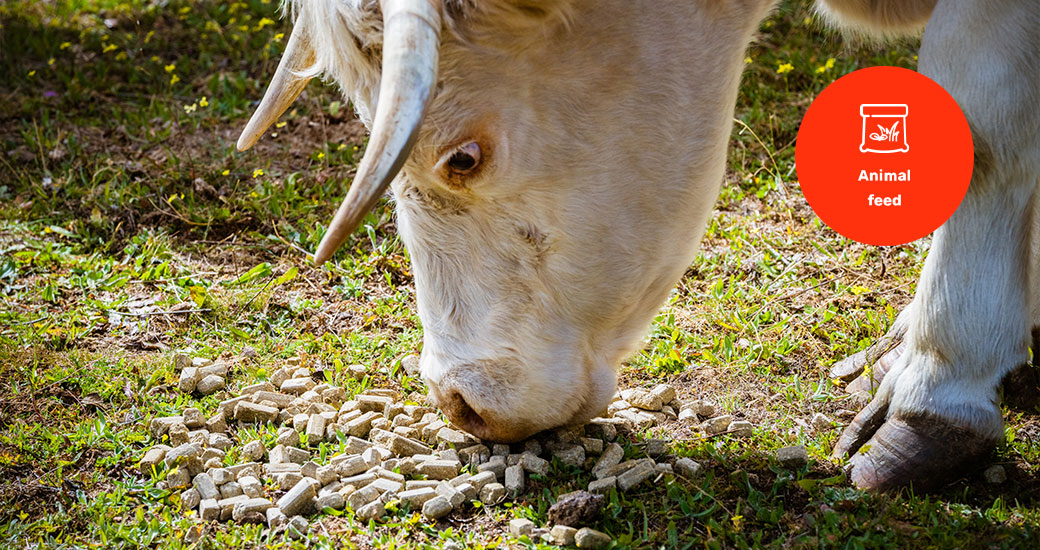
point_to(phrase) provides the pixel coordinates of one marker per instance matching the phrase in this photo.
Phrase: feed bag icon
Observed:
(884, 128)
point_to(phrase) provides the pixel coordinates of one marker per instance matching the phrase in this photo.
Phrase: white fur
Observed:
(604, 126)
(877, 19)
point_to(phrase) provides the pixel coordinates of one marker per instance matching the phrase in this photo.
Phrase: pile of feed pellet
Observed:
(390, 451)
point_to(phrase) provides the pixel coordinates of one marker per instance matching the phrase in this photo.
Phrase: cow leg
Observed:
(962, 337)
(935, 413)
(865, 369)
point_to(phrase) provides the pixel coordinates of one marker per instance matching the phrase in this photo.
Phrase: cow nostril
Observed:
(468, 419)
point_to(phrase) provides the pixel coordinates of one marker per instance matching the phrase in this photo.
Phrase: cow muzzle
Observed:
(509, 399)
(470, 410)
(490, 401)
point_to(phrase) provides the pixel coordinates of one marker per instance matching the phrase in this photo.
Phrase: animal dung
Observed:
(393, 451)
(576, 508)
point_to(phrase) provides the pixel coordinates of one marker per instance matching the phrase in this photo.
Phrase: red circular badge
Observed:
(884, 155)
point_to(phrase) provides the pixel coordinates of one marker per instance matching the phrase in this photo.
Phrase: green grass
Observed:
(122, 200)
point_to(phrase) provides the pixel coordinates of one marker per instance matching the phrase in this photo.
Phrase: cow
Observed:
(554, 164)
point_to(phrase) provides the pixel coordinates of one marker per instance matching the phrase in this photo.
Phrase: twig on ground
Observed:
(170, 279)
(257, 294)
(292, 245)
(164, 312)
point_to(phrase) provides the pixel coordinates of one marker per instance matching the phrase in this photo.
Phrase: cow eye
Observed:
(465, 159)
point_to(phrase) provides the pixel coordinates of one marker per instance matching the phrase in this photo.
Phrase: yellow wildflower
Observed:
(258, 172)
(170, 68)
(280, 125)
(225, 172)
(784, 68)
(204, 102)
(65, 45)
(826, 66)
(50, 61)
(109, 48)
(174, 79)
(278, 36)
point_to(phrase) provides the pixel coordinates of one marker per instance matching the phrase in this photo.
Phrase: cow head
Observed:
(553, 166)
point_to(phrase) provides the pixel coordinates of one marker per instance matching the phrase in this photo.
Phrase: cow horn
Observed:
(411, 43)
(284, 89)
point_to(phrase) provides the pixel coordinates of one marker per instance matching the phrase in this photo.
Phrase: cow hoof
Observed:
(870, 379)
(862, 428)
(886, 350)
(920, 450)
(1021, 387)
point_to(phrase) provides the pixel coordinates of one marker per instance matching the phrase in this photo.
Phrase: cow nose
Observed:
(475, 415)
(484, 397)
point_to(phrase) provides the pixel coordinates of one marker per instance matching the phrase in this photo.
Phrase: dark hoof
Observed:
(923, 451)
(853, 366)
(869, 382)
(862, 428)
(1021, 387)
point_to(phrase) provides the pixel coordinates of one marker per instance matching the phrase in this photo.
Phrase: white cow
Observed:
(554, 164)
